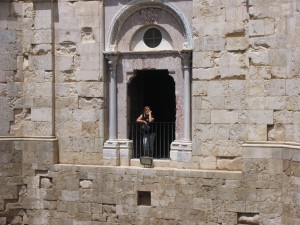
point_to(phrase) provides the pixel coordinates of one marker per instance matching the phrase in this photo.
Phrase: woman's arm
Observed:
(140, 119)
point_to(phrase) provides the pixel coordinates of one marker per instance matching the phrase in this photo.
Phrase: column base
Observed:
(117, 152)
(126, 148)
(181, 151)
(111, 153)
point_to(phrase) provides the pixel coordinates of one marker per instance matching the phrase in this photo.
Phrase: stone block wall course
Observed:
(245, 87)
(243, 74)
(263, 191)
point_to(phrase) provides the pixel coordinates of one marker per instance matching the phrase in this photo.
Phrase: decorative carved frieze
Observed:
(149, 15)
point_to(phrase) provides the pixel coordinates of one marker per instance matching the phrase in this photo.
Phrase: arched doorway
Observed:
(156, 89)
(132, 61)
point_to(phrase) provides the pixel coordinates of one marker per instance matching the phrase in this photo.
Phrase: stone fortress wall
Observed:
(245, 120)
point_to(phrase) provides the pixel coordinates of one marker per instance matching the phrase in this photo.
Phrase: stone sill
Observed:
(156, 163)
(155, 171)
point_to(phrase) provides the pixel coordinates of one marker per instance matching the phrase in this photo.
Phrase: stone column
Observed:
(181, 150)
(186, 58)
(111, 148)
(112, 63)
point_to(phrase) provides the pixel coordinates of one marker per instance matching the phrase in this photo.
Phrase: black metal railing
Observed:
(161, 133)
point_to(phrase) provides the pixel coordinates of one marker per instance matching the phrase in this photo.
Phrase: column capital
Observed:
(112, 59)
(186, 58)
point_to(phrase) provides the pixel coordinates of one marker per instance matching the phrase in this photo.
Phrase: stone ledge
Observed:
(270, 144)
(159, 171)
(33, 138)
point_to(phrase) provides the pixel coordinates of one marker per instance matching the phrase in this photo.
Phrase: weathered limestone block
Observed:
(90, 89)
(210, 43)
(89, 62)
(283, 117)
(213, 102)
(199, 88)
(235, 88)
(259, 72)
(293, 87)
(85, 115)
(67, 36)
(205, 74)
(72, 184)
(257, 103)
(229, 164)
(8, 48)
(202, 9)
(40, 62)
(215, 88)
(4, 9)
(201, 116)
(259, 57)
(65, 89)
(14, 89)
(257, 132)
(237, 27)
(279, 72)
(216, 28)
(96, 103)
(203, 59)
(292, 103)
(84, 144)
(261, 27)
(88, 48)
(205, 131)
(42, 19)
(3, 90)
(237, 43)
(238, 132)
(221, 132)
(277, 103)
(8, 62)
(278, 57)
(67, 16)
(8, 36)
(88, 75)
(208, 162)
(64, 63)
(70, 102)
(42, 37)
(224, 116)
(258, 116)
(200, 203)
(41, 49)
(70, 196)
(236, 13)
(41, 114)
(257, 87)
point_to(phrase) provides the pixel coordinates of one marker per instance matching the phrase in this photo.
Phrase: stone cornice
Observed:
(271, 144)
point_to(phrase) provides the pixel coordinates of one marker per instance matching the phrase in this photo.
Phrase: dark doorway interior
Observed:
(156, 89)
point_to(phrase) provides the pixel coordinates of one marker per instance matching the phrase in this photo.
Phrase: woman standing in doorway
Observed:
(146, 118)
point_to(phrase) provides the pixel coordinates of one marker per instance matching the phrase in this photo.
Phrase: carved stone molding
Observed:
(149, 15)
